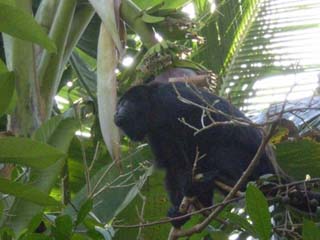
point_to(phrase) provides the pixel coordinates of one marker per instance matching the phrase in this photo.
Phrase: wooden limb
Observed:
(172, 233)
(227, 188)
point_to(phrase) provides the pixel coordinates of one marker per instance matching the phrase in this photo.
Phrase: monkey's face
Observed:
(132, 113)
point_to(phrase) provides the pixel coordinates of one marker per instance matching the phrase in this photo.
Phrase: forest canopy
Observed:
(68, 172)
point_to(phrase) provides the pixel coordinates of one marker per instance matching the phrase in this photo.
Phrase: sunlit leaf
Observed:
(270, 61)
(18, 23)
(107, 92)
(151, 19)
(105, 10)
(242, 222)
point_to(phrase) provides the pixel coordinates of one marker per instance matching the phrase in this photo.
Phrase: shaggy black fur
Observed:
(154, 111)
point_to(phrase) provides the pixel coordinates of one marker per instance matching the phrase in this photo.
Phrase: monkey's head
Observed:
(133, 112)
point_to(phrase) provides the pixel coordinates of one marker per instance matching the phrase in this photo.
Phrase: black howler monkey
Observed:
(169, 125)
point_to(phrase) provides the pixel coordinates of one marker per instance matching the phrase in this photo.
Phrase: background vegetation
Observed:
(64, 62)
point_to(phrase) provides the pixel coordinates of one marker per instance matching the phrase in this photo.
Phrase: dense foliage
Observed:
(66, 172)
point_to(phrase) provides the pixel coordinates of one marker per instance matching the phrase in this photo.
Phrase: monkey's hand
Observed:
(173, 213)
(186, 204)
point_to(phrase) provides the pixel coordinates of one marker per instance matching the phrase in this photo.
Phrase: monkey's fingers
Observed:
(186, 204)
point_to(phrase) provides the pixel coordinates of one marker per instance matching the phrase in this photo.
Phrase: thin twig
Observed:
(246, 174)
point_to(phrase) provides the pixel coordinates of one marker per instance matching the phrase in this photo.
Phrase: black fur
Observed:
(154, 111)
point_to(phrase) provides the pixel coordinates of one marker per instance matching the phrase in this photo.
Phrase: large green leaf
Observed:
(107, 62)
(57, 132)
(106, 11)
(241, 221)
(87, 77)
(299, 157)
(26, 192)
(89, 39)
(257, 208)
(18, 23)
(156, 207)
(119, 189)
(273, 56)
(84, 211)
(6, 90)
(310, 230)
(28, 152)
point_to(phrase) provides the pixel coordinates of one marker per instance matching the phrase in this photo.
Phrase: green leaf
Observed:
(6, 90)
(36, 236)
(107, 232)
(151, 19)
(164, 3)
(18, 23)
(299, 158)
(112, 200)
(34, 223)
(63, 229)
(221, 235)
(26, 192)
(87, 76)
(154, 8)
(5, 232)
(93, 234)
(107, 61)
(105, 10)
(310, 231)
(77, 236)
(3, 67)
(242, 222)
(89, 39)
(1, 208)
(257, 208)
(58, 132)
(28, 152)
(84, 211)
